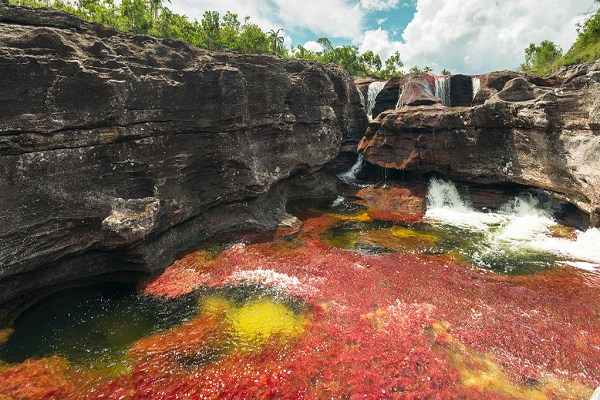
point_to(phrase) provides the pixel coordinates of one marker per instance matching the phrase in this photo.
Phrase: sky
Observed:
(463, 36)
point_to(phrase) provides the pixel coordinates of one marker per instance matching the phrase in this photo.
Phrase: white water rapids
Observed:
(521, 226)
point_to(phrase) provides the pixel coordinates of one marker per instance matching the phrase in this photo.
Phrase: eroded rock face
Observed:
(527, 131)
(117, 150)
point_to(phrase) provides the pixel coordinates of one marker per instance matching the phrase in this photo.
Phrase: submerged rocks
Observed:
(524, 131)
(118, 150)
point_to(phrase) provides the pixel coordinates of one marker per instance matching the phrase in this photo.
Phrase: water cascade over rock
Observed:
(416, 90)
(524, 130)
(476, 83)
(442, 90)
(518, 226)
(374, 89)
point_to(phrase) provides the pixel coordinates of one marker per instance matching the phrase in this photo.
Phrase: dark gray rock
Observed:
(118, 150)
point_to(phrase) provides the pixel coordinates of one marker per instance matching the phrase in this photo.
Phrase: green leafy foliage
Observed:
(216, 32)
(548, 57)
(392, 66)
(417, 70)
(541, 58)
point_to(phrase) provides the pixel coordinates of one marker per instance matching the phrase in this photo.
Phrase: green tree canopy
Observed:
(538, 57)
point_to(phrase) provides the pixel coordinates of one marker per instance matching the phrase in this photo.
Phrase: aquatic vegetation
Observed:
(257, 321)
(36, 379)
(288, 315)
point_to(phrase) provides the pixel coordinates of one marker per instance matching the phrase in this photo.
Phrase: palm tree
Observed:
(275, 41)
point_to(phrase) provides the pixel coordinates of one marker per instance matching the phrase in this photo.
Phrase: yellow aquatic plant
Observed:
(256, 321)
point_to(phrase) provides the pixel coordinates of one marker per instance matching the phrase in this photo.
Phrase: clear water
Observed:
(92, 325)
(95, 326)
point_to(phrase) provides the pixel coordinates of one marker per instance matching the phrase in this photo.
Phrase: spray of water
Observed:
(520, 228)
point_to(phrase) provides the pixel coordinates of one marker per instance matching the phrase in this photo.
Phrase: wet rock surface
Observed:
(117, 150)
(525, 130)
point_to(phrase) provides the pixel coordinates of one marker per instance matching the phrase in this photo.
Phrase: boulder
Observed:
(416, 90)
(118, 150)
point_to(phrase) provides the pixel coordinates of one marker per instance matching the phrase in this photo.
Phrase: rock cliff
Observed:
(537, 132)
(118, 150)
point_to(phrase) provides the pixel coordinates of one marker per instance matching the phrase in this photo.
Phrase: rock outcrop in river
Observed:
(118, 150)
(536, 132)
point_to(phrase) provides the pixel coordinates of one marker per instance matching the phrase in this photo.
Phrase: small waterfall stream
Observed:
(442, 90)
(374, 89)
(476, 85)
(350, 175)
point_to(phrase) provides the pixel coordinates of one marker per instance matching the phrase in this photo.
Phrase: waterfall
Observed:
(442, 90)
(444, 194)
(374, 89)
(519, 227)
(362, 98)
(476, 85)
(400, 93)
(350, 175)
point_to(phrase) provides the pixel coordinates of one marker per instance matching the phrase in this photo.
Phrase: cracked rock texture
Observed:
(118, 150)
(536, 132)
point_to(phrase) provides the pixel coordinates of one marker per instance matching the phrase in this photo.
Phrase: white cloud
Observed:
(474, 36)
(381, 20)
(379, 42)
(379, 5)
(332, 18)
(313, 46)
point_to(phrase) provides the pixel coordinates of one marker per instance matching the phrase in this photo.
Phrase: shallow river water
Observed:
(456, 303)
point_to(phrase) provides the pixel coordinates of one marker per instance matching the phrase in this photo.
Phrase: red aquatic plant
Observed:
(387, 326)
(36, 379)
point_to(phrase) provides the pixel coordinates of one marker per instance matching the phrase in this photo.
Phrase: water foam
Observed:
(522, 226)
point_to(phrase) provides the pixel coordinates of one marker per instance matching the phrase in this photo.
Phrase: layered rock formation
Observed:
(526, 130)
(117, 150)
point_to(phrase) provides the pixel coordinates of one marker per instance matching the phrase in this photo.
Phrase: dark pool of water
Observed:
(92, 325)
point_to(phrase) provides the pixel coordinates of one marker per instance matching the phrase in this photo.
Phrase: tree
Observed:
(137, 17)
(252, 39)
(211, 30)
(325, 44)
(302, 52)
(275, 41)
(540, 58)
(446, 72)
(392, 66)
(230, 31)
(371, 62)
(587, 46)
